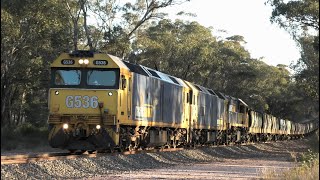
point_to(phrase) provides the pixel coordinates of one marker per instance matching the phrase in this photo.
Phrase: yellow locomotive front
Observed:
(84, 100)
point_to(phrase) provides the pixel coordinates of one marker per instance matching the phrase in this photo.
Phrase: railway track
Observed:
(20, 159)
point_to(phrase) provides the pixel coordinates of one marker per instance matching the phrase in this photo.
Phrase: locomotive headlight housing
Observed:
(98, 126)
(110, 93)
(81, 61)
(56, 92)
(65, 126)
(86, 61)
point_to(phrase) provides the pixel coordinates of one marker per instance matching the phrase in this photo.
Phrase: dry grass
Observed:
(303, 172)
(308, 168)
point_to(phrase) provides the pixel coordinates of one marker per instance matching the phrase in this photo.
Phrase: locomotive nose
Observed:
(80, 102)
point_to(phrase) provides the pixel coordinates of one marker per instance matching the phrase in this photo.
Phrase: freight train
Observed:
(100, 102)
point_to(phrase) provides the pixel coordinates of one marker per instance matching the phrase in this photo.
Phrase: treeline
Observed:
(34, 32)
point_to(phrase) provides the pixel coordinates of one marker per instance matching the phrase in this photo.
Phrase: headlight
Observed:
(80, 61)
(98, 126)
(110, 93)
(56, 92)
(86, 61)
(65, 126)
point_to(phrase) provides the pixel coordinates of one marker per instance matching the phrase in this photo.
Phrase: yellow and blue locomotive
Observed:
(99, 102)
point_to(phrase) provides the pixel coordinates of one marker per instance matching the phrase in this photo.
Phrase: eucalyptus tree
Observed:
(301, 20)
(229, 69)
(32, 33)
(182, 49)
(120, 21)
(296, 16)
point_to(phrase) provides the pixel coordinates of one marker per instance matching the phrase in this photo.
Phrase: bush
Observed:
(7, 133)
(308, 170)
(309, 158)
(29, 130)
(25, 129)
(8, 139)
(25, 135)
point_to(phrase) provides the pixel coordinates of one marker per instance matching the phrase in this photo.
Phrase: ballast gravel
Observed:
(97, 167)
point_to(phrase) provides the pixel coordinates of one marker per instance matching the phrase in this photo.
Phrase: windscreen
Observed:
(67, 77)
(85, 78)
(101, 77)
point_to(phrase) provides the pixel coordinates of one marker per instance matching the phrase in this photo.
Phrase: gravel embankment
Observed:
(111, 167)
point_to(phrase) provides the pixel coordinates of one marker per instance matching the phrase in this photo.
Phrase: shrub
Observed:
(25, 135)
(8, 139)
(309, 158)
(308, 170)
(26, 129)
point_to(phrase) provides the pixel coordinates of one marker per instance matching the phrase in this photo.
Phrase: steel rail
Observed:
(20, 159)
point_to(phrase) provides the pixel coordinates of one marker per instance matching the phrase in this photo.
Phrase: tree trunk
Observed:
(84, 10)
(75, 35)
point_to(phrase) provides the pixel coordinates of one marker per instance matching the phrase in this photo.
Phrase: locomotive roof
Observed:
(243, 102)
(146, 71)
(73, 58)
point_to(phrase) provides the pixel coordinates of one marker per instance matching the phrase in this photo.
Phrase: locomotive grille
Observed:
(54, 119)
(91, 120)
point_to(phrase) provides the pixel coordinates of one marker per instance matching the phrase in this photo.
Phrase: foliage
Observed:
(189, 51)
(296, 16)
(176, 48)
(25, 135)
(308, 158)
(301, 19)
(308, 66)
(308, 170)
(34, 32)
(120, 22)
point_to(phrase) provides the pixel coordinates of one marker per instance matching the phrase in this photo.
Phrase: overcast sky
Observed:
(248, 18)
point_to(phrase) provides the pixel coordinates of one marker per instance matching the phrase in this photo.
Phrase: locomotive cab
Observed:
(84, 105)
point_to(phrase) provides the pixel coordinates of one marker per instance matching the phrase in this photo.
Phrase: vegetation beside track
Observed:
(33, 34)
(309, 163)
(242, 159)
(25, 136)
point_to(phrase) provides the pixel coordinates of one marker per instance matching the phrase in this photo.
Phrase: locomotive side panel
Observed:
(255, 118)
(221, 114)
(156, 102)
(147, 99)
(208, 111)
(172, 106)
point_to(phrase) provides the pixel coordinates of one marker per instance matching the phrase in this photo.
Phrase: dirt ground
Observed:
(228, 169)
(245, 162)
(222, 162)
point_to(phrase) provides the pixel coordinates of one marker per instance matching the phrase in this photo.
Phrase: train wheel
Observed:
(91, 151)
(80, 152)
(174, 145)
(72, 151)
(120, 149)
(130, 147)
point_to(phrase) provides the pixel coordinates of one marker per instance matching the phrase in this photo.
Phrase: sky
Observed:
(248, 18)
